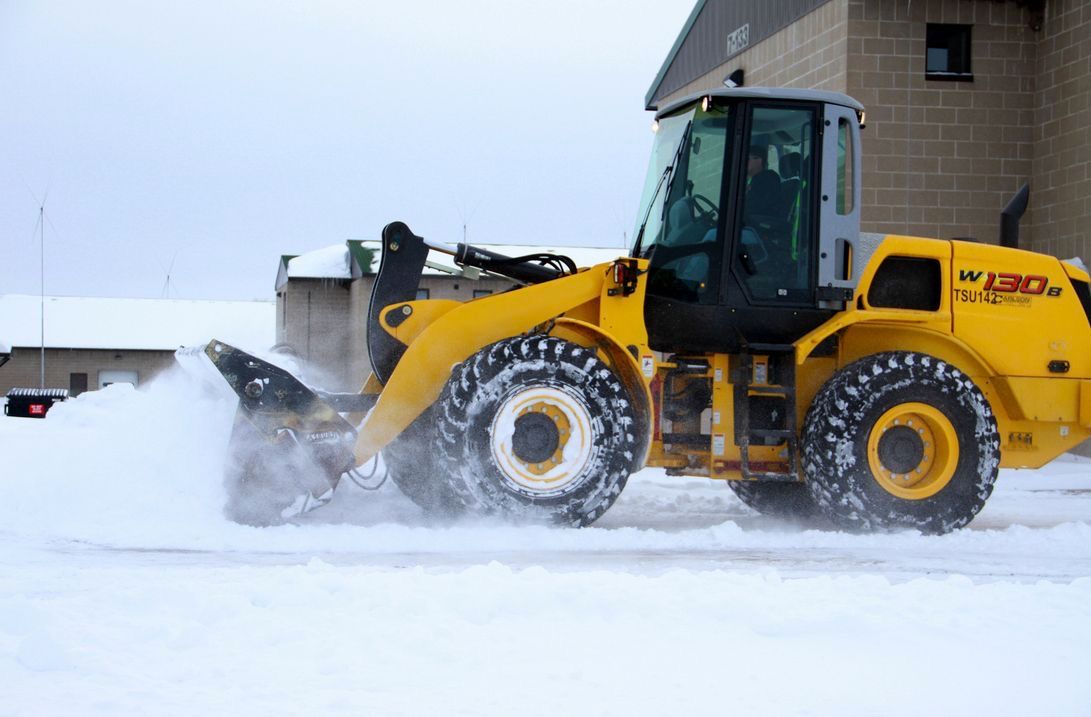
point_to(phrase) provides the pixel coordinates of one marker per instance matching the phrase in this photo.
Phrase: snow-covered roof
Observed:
(79, 322)
(331, 262)
(346, 261)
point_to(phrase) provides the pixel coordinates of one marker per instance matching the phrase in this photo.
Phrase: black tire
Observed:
(867, 456)
(791, 501)
(535, 403)
(412, 464)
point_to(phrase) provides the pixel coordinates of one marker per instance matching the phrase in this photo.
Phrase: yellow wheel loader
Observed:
(753, 334)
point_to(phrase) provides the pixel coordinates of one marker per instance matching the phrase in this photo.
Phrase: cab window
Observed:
(773, 244)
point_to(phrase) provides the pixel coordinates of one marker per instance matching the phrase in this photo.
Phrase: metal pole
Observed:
(41, 219)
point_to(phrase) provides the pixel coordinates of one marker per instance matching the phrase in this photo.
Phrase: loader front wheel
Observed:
(413, 466)
(901, 440)
(537, 429)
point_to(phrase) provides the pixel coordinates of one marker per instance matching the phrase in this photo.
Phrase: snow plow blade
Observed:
(289, 446)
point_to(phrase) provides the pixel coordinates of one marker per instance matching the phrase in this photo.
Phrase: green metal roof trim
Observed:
(282, 271)
(673, 53)
(362, 256)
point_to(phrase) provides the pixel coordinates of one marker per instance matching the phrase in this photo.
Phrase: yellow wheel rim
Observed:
(913, 451)
(563, 467)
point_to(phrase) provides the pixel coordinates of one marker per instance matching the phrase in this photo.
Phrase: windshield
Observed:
(682, 191)
(649, 217)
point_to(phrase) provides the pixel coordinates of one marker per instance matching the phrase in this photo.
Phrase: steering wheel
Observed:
(704, 208)
(690, 219)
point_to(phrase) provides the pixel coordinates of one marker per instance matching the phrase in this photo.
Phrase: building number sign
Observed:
(738, 40)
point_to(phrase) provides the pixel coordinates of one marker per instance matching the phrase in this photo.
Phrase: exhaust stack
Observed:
(1010, 216)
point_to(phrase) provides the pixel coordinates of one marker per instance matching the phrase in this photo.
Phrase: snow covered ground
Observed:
(124, 591)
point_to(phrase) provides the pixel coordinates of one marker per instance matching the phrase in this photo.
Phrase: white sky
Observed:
(220, 135)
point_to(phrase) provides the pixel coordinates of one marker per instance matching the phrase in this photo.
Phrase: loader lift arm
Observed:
(403, 258)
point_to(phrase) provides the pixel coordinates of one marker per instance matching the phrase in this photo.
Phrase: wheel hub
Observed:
(913, 451)
(901, 449)
(536, 437)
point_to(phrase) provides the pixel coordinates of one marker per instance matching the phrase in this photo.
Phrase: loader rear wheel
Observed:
(901, 440)
(413, 466)
(536, 429)
(791, 501)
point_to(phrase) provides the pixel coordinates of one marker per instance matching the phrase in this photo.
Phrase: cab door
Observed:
(770, 284)
(773, 258)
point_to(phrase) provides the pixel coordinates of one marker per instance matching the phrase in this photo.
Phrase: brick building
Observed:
(323, 296)
(966, 101)
(93, 342)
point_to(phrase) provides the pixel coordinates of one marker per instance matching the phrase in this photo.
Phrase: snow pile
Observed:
(118, 463)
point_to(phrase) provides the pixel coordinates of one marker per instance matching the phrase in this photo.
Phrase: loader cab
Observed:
(748, 217)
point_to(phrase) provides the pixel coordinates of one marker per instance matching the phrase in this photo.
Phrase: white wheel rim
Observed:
(548, 478)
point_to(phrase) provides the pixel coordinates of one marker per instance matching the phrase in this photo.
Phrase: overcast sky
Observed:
(220, 135)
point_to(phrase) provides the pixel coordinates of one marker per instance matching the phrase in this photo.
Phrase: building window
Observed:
(423, 294)
(478, 293)
(947, 53)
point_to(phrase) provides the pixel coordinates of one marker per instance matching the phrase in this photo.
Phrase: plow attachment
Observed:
(290, 444)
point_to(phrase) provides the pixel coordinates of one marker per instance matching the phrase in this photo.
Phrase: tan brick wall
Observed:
(312, 318)
(24, 368)
(359, 301)
(1061, 190)
(942, 158)
(809, 53)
